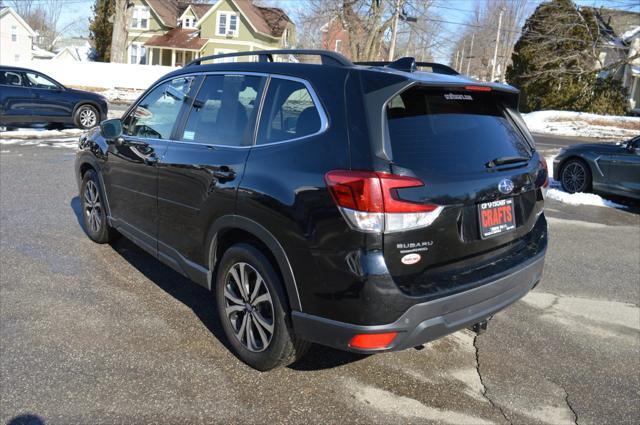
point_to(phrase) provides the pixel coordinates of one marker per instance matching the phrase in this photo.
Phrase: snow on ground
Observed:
(70, 143)
(556, 193)
(39, 137)
(581, 124)
(34, 133)
(121, 95)
(581, 199)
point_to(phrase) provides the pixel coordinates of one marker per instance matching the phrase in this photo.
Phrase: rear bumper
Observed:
(431, 320)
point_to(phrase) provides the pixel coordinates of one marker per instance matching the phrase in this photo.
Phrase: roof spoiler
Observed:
(327, 58)
(409, 64)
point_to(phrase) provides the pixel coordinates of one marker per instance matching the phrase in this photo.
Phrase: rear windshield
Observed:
(445, 130)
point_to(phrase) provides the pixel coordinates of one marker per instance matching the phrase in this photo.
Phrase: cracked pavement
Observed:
(105, 334)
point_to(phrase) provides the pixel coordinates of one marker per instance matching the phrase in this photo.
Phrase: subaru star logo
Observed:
(505, 186)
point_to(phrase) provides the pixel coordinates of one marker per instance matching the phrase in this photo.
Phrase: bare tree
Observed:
(121, 19)
(43, 16)
(369, 26)
(482, 26)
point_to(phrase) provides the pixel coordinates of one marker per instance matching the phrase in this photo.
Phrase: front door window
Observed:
(155, 116)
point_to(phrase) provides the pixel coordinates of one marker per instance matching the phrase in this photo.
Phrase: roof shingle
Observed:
(178, 38)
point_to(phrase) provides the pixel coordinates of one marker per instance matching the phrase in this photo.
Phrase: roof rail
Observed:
(328, 58)
(409, 64)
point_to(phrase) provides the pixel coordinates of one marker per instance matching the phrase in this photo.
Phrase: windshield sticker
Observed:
(451, 96)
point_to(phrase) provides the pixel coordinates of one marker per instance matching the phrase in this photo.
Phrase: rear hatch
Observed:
(475, 164)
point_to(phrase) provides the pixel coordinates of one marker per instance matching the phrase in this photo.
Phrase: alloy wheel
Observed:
(574, 177)
(88, 118)
(249, 307)
(92, 206)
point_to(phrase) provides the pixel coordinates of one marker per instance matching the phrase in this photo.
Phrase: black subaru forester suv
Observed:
(365, 207)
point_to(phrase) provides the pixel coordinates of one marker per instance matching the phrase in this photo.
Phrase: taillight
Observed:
(370, 202)
(372, 341)
(477, 88)
(543, 162)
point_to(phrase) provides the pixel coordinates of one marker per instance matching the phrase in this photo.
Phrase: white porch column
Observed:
(150, 58)
(173, 57)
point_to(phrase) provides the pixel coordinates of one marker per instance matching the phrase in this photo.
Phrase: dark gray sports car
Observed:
(600, 167)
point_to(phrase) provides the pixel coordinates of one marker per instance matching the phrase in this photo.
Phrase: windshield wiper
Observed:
(503, 160)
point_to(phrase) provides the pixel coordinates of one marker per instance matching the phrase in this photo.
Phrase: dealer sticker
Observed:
(411, 259)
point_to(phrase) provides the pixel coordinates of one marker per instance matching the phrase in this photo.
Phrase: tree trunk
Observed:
(121, 20)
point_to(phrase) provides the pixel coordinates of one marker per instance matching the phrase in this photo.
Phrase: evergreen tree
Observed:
(553, 62)
(101, 28)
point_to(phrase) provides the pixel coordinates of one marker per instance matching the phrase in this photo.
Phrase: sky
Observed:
(456, 11)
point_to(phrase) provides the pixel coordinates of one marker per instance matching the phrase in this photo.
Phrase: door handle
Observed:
(151, 159)
(121, 141)
(223, 174)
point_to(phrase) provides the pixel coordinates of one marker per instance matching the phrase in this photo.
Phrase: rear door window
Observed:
(289, 112)
(224, 111)
(11, 78)
(448, 130)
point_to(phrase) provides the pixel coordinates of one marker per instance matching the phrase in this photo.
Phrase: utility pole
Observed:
(455, 63)
(394, 31)
(495, 52)
(473, 36)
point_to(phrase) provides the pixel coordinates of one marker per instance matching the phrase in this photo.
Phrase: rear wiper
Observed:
(506, 160)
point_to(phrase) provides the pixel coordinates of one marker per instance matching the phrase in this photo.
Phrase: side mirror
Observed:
(111, 129)
(630, 147)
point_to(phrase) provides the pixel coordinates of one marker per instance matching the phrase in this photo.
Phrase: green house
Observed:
(174, 32)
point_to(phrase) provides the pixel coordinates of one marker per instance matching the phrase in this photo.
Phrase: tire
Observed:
(259, 348)
(575, 176)
(93, 212)
(86, 117)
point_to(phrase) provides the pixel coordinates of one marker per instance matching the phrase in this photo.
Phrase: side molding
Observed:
(260, 232)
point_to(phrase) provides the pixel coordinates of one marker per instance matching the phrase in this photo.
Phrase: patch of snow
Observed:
(42, 138)
(121, 95)
(581, 199)
(34, 133)
(582, 124)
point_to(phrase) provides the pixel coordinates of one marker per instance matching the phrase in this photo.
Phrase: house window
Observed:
(227, 23)
(137, 54)
(140, 17)
(338, 46)
(188, 23)
(16, 58)
(14, 33)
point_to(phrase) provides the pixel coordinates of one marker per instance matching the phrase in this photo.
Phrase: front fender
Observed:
(92, 153)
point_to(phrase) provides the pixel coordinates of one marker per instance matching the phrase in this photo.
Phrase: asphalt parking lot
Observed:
(104, 334)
